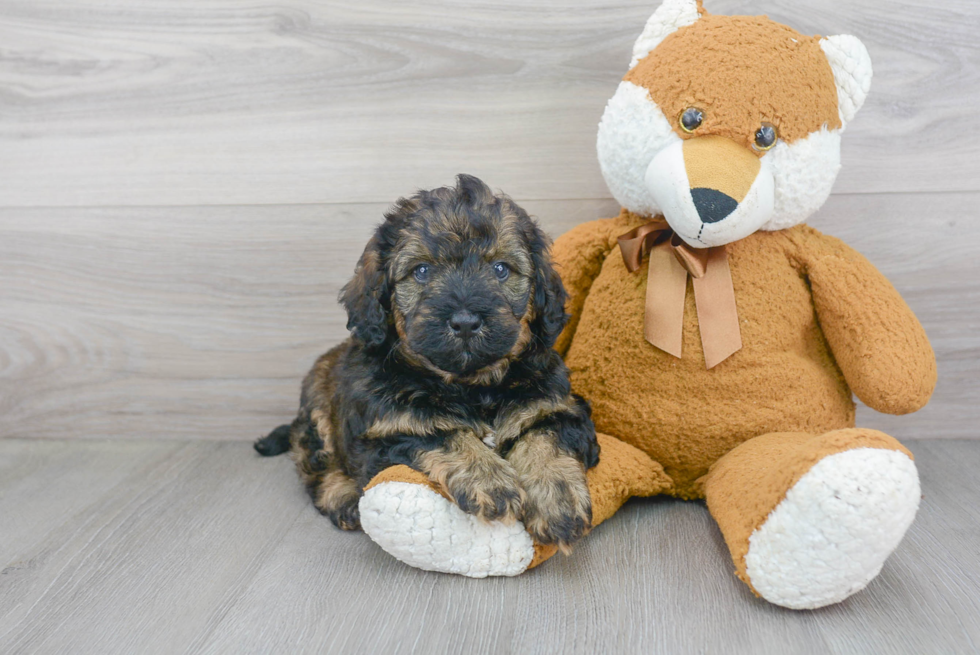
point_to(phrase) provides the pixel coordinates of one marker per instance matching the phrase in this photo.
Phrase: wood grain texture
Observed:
(143, 566)
(206, 548)
(186, 323)
(174, 322)
(107, 102)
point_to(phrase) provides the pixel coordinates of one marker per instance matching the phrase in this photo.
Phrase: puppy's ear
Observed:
(365, 297)
(549, 292)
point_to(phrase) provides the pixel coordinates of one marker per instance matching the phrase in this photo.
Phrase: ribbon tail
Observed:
(663, 318)
(714, 294)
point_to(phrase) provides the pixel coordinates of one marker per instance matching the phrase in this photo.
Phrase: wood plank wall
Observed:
(185, 186)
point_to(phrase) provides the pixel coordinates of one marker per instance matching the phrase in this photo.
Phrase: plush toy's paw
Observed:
(557, 512)
(831, 534)
(420, 527)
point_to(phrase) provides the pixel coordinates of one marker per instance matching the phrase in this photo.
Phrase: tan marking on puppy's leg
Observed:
(558, 508)
(321, 421)
(402, 423)
(337, 496)
(480, 481)
(511, 425)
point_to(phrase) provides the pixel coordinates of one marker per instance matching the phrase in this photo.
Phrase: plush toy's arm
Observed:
(877, 341)
(578, 255)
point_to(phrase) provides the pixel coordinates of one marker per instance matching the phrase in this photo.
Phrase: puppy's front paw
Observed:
(488, 490)
(558, 510)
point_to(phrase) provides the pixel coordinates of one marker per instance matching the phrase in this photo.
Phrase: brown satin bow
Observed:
(671, 261)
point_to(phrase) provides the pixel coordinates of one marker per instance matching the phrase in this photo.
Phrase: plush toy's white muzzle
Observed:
(711, 190)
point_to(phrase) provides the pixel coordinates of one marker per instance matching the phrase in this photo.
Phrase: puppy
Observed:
(453, 310)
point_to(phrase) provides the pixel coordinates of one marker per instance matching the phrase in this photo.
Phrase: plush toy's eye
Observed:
(501, 270)
(691, 119)
(766, 136)
(421, 273)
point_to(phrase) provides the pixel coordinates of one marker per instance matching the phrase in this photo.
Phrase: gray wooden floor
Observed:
(168, 547)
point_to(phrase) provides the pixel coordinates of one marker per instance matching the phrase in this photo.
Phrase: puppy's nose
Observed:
(464, 323)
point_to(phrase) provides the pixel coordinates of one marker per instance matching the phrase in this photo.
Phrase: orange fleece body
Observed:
(817, 321)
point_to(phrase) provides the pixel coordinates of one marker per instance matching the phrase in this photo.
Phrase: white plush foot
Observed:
(421, 528)
(831, 534)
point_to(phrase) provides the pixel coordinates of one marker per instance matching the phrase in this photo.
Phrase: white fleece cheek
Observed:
(632, 131)
(804, 173)
(666, 178)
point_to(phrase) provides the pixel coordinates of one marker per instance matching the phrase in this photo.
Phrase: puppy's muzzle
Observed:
(465, 324)
(711, 190)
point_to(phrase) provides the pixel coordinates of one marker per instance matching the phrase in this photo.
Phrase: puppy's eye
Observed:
(691, 119)
(421, 273)
(501, 270)
(765, 137)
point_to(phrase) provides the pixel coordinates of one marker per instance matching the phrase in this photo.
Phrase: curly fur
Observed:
(407, 389)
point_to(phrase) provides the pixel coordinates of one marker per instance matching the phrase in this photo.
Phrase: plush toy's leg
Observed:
(414, 520)
(810, 519)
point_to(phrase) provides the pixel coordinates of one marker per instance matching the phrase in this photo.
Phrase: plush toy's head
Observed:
(729, 124)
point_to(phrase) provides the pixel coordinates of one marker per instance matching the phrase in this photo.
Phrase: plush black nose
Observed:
(464, 323)
(712, 205)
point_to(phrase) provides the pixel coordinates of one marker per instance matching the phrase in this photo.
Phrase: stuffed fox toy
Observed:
(719, 340)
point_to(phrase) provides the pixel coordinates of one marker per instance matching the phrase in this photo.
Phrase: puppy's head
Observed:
(460, 281)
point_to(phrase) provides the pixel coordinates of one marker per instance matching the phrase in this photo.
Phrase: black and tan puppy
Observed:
(453, 311)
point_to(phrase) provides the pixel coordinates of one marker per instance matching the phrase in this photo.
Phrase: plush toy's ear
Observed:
(669, 17)
(851, 63)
